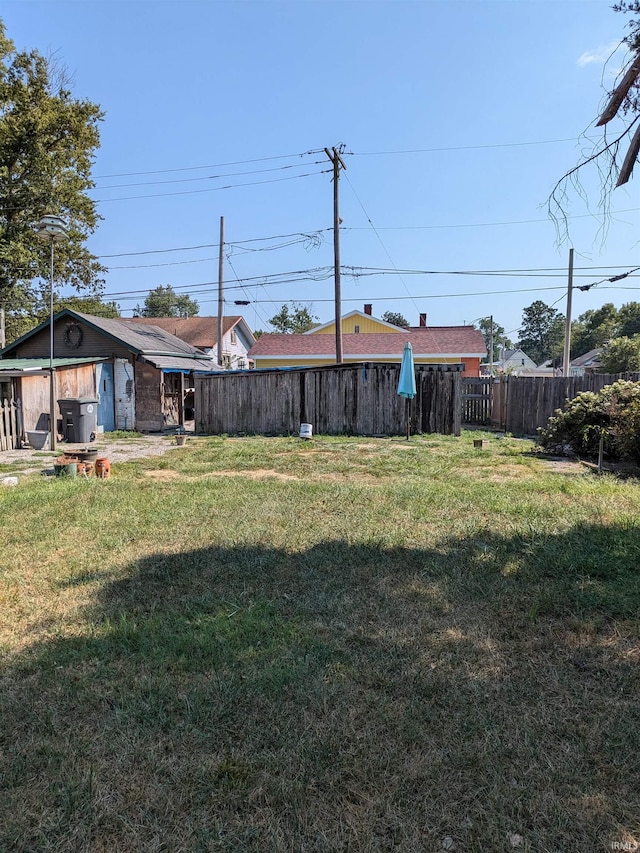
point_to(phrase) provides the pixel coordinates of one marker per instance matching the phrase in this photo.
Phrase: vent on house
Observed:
(356, 329)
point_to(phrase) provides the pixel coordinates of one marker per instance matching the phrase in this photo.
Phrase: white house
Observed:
(516, 362)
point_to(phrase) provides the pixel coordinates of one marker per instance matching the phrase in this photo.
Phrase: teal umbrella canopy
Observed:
(407, 382)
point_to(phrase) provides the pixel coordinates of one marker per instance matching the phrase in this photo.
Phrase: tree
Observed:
(499, 338)
(593, 329)
(88, 305)
(295, 321)
(395, 319)
(542, 332)
(47, 144)
(623, 104)
(621, 355)
(629, 320)
(163, 301)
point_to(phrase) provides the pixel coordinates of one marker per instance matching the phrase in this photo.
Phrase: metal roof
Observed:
(201, 332)
(33, 365)
(171, 363)
(144, 339)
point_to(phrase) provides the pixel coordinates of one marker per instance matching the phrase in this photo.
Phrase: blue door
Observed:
(106, 398)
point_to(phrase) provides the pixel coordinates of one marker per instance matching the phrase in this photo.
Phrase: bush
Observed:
(613, 413)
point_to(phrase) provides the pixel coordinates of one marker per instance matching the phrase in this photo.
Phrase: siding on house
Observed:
(365, 323)
(93, 344)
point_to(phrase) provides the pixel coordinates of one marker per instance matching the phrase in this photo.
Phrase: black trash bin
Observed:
(79, 418)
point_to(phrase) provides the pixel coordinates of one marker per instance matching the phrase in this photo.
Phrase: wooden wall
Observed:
(33, 392)
(94, 343)
(149, 398)
(353, 399)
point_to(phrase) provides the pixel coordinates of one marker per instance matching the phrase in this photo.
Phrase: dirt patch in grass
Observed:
(256, 474)
(164, 474)
(565, 466)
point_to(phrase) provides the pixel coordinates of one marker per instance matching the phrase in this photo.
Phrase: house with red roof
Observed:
(368, 338)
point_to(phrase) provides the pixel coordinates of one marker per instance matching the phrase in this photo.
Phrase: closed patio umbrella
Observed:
(407, 381)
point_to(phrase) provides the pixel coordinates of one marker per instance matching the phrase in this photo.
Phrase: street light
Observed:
(53, 229)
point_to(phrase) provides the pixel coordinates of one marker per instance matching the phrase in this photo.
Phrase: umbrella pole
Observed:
(408, 420)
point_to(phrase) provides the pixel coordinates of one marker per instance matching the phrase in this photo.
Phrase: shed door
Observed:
(106, 398)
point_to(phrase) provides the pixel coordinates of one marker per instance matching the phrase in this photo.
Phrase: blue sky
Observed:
(457, 118)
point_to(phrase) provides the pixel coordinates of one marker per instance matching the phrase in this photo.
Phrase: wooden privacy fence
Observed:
(522, 404)
(10, 425)
(477, 397)
(347, 399)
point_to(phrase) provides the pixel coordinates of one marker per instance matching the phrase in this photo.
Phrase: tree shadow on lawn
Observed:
(346, 697)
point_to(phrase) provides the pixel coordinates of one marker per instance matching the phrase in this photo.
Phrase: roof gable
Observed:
(142, 341)
(367, 317)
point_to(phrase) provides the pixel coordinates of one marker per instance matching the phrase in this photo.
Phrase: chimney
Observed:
(423, 320)
(368, 309)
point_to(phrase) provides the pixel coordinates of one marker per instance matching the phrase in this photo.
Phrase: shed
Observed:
(137, 373)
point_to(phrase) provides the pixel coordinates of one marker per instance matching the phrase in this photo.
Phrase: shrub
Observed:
(613, 413)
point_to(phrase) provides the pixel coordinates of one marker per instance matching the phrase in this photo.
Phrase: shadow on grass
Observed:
(346, 697)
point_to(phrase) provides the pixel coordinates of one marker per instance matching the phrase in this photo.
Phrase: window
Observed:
(356, 329)
(233, 337)
(241, 364)
(226, 360)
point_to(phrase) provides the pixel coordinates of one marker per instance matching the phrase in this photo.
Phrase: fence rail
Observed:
(10, 425)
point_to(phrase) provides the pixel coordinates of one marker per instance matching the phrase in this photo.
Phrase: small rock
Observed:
(515, 840)
(448, 843)
(9, 481)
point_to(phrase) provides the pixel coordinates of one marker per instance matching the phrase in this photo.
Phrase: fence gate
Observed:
(477, 396)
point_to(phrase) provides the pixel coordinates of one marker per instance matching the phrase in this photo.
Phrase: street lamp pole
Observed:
(53, 229)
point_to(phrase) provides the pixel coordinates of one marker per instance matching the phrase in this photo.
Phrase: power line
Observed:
(379, 237)
(313, 151)
(461, 148)
(304, 238)
(212, 189)
(215, 245)
(214, 166)
(484, 224)
(210, 177)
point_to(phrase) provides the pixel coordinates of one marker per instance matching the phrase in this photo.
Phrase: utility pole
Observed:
(567, 323)
(220, 292)
(491, 346)
(337, 162)
(3, 337)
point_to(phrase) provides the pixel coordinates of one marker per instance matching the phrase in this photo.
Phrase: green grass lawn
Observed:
(347, 644)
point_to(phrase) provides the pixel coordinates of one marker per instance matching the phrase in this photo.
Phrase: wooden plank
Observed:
(3, 430)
